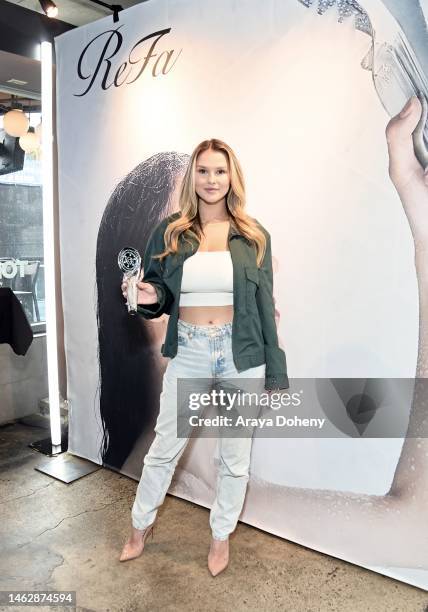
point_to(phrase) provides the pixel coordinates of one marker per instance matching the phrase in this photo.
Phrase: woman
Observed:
(231, 273)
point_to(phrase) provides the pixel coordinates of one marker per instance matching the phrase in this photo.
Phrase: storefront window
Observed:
(21, 234)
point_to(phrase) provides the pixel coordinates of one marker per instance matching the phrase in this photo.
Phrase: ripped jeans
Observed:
(204, 351)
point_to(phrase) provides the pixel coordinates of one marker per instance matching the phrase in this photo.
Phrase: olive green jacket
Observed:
(254, 333)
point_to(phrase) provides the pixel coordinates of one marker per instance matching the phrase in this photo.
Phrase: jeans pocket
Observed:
(183, 338)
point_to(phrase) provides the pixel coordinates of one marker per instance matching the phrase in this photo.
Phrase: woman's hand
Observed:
(146, 291)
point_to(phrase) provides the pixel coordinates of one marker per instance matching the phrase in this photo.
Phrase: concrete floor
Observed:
(68, 537)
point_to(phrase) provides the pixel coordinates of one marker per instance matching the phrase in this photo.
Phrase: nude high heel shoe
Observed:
(218, 556)
(131, 550)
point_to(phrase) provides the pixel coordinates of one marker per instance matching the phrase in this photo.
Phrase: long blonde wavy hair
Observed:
(189, 221)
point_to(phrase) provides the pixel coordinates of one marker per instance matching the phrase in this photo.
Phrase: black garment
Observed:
(14, 326)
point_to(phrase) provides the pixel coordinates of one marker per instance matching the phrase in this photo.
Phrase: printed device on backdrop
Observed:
(129, 262)
(399, 67)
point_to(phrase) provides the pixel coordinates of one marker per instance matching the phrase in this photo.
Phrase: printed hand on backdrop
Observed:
(405, 171)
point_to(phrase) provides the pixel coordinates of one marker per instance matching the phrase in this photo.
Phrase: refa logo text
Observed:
(140, 57)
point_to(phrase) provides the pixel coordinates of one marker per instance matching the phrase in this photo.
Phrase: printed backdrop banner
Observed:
(302, 91)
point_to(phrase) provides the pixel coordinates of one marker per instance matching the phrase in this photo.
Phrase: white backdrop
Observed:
(284, 87)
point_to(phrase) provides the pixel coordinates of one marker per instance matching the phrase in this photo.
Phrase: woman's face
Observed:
(212, 176)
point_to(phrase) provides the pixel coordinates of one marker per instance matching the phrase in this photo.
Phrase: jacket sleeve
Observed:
(153, 275)
(276, 365)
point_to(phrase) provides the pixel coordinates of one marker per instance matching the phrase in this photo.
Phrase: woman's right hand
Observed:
(405, 171)
(146, 292)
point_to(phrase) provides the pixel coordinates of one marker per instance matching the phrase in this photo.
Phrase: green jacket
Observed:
(254, 333)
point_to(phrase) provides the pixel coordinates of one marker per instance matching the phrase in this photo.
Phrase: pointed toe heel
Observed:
(127, 555)
(218, 557)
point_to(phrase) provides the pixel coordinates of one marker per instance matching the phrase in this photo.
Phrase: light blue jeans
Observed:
(204, 352)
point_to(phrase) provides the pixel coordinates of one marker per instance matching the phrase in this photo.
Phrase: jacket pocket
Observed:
(252, 283)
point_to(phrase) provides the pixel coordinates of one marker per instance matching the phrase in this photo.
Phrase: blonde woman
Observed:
(209, 267)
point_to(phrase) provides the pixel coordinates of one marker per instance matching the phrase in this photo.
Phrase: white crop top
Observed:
(207, 279)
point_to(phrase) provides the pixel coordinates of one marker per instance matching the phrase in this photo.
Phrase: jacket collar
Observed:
(233, 230)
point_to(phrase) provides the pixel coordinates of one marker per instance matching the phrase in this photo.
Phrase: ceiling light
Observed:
(17, 82)
(15, 122)
(29, 142)
(49, 7)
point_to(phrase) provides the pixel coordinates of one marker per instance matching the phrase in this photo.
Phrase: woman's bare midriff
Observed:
(206, 315)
